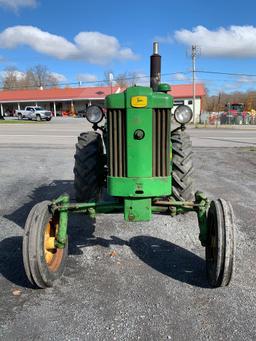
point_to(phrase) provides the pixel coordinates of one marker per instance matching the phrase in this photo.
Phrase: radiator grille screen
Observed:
(117, 142)
(161, 142)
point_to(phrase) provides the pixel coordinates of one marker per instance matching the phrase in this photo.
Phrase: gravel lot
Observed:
(153, 286)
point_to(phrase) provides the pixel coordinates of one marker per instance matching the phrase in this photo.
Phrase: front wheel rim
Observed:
(52, 255)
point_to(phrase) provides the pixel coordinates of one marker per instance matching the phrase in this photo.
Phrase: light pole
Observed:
(194, 53)
(110, 78)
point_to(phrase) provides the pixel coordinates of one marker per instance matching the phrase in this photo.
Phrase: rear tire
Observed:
(38, 118)
(20, 117)
(89, 167)
(182, 166)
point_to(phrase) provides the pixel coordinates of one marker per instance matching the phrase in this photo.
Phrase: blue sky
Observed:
(83, 39)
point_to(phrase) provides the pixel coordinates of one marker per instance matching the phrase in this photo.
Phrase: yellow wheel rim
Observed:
(52, 254)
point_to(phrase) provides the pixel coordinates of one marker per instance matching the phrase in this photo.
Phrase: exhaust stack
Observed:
(155, 67)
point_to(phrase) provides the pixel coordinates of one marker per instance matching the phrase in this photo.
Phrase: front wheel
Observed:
(220, 246)
(43, 261)
(20, 117)
(38, 118)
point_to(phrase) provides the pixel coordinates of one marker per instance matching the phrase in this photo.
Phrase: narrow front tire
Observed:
(43, 262)
(220, 247)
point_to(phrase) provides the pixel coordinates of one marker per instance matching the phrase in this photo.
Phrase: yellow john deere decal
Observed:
(139, 101)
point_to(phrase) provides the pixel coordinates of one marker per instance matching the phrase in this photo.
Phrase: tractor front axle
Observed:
(63, 206)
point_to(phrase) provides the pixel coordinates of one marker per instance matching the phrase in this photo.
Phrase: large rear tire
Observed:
(182, 166)
(89, 167)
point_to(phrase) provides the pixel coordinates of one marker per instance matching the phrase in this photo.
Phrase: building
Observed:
(57, 100)
(60, 100)
(183, 95)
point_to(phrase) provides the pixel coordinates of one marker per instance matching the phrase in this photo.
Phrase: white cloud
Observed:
(140, 78)
(180, 77)
(16, 4)
(86, 77)
(92, 47)
(18, 74)
(247, 79)
(168, 39)
(60, 78)
(234, 42)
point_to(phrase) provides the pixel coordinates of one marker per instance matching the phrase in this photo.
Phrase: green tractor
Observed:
(145, 167)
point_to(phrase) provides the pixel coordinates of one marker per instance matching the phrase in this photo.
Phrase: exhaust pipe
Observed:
(155, 67)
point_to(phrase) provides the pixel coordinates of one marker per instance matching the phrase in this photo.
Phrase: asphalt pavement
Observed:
(64, 131)
(125, 281)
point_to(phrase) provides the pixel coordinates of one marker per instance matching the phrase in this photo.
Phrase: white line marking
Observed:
(38, 135)
(230, 138)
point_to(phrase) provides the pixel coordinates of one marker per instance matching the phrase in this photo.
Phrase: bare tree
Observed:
(106, 77)
(121, 80)
(10, 78)
(129, 79)
(39, 76)
(218, 102)
(35, 77)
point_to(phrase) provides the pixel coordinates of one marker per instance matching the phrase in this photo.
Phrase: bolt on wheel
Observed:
(220, 247)
(43, 261)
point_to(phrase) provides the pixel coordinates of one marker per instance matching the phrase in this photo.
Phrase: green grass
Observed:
(17, 122)
(248, 149)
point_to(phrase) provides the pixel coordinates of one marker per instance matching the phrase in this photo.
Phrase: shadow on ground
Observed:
(163, 256)
(45, 192)
(170, 259)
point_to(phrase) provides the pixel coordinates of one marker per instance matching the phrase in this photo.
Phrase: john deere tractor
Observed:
(145, 167)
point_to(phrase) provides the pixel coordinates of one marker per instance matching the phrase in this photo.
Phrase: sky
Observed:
(82, 40)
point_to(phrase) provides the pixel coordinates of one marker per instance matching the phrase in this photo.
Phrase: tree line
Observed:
(40, 77)
(217, 102)
(35, 77)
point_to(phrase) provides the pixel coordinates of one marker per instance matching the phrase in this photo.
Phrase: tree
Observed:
(121, 80)
(37, 77)
(106, 79)
(40, 77)
(10, 78)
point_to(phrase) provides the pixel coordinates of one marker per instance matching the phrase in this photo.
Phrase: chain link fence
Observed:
(228, 118)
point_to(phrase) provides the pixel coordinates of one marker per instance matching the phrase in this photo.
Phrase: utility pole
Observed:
(194, 53)
(110, 79)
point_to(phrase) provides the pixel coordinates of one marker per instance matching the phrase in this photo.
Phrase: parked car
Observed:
(9, 113)
(34, 113)
(81, 113)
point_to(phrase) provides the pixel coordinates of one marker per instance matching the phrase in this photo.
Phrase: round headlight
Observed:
(183, 114)
(94, 114)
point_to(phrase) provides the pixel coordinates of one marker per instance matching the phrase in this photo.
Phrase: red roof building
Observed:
(61, 99)
(57, 94)
(186, 90)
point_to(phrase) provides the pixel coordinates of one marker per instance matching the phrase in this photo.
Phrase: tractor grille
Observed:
(161, 142)
(117, 142)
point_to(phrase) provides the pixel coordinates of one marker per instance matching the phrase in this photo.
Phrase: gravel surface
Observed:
(126, 281)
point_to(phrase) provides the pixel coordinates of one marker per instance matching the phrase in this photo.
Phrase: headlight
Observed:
(94, 114)
(183, 114)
